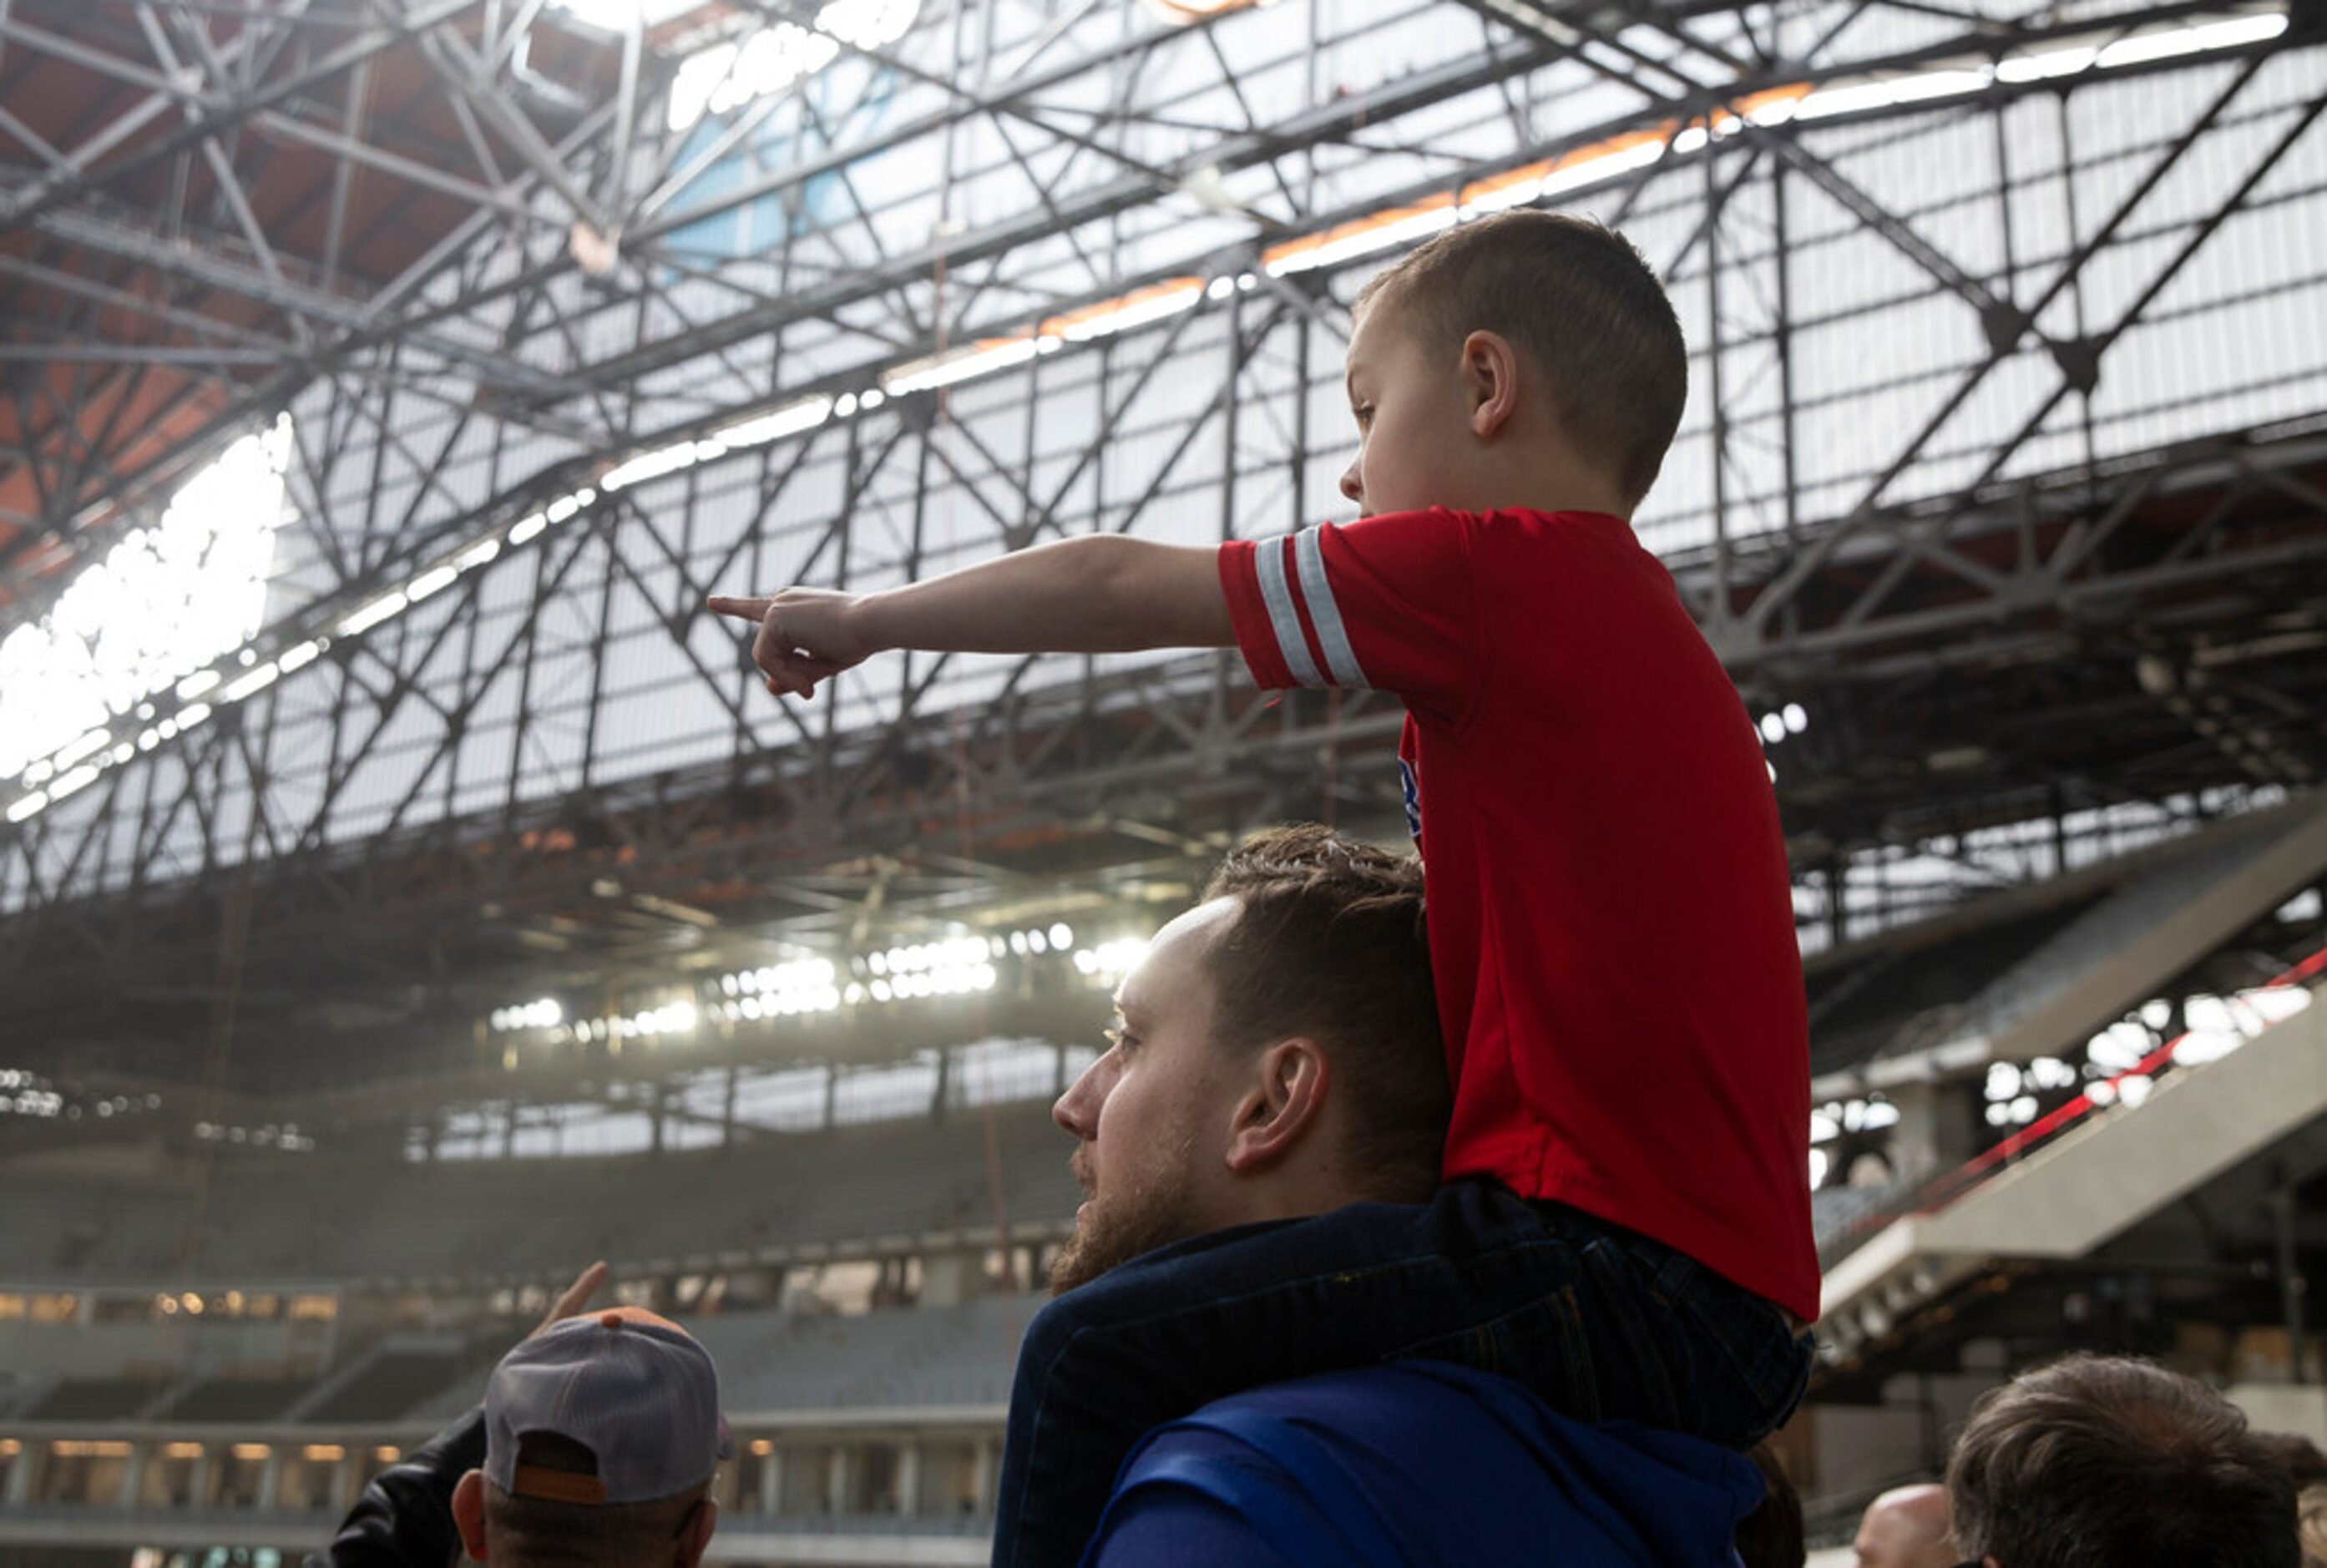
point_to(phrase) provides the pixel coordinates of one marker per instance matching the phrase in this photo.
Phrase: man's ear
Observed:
(468, 1514)
(1490, 376)
(698, 1534)
(1283, 1106)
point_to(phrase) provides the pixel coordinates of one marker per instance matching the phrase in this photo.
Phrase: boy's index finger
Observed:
(741, 609)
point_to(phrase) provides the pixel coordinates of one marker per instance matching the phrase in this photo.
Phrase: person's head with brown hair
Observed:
(2111, 1462)
(1276, 1054)
(1526, 359)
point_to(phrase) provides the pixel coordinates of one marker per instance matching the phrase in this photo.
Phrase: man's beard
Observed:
(1146, 1218)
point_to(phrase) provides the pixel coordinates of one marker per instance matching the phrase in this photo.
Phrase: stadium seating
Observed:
(379, 1384)
(92, 1399)
(785, 1361)
(233, 1399)
(2033, 981)
(482, 1222)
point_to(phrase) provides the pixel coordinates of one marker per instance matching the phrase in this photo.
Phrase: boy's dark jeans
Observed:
(1597, 1320)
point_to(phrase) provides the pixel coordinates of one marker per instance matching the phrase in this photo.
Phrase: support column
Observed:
(198, 1482)
(1933, 1133)
(133, 1475)
(2291, 1283)
(909, 1477)
(839, 1478)
(771, 1481)
(270, 1480)
(982, 1466)
(20, 1476)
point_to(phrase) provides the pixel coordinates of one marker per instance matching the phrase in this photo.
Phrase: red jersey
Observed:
(1612, 927)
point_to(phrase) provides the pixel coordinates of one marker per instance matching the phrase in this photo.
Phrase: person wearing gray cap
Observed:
(596, 1445)
(601, 1433)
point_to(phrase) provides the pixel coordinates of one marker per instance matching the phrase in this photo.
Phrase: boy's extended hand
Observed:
(1099, 593)
(805, 636)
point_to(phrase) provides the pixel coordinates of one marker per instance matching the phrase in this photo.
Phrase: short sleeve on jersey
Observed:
(1387, 602)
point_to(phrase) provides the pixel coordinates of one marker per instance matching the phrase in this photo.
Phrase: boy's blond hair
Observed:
(1581, 301)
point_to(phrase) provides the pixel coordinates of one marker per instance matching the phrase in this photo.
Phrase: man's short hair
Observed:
(1582, 302)
(1329, 944)
(538, 1532)
(2114, 1462)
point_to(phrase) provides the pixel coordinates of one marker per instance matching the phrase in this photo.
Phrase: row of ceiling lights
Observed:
(949, 966)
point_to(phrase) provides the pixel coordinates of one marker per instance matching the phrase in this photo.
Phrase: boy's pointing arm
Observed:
(1102, 593)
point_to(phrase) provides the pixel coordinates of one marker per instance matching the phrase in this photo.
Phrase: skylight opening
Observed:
(165, 602)
(728, 75)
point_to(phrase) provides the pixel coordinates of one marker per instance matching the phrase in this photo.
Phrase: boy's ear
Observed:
(1284, 1104)
(1491, 375)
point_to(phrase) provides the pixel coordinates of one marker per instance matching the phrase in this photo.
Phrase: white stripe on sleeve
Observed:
(1277, 593)
(1309, 551)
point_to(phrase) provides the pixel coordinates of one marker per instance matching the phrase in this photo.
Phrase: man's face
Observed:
(1155, 1113)
(1415, 441)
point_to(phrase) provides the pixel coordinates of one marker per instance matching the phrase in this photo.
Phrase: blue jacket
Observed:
(1418, 1463)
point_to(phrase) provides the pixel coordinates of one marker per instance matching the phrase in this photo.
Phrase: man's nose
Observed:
(1352, 486)
(1077, 1110)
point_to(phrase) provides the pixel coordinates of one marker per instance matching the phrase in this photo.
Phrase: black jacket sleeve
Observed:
(404, 1517)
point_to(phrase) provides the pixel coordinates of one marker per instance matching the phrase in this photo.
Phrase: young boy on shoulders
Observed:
(1626, 1222)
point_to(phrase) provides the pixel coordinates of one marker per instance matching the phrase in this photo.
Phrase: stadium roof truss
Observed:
(2004, 464)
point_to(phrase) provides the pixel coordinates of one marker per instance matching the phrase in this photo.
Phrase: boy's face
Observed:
(1415, 441)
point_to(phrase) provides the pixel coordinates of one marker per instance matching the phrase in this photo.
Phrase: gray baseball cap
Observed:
(637, 1390)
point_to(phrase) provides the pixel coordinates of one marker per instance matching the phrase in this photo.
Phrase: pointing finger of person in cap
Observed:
(577, 1298)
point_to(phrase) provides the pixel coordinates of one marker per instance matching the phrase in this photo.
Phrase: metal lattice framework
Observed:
(2001, 455)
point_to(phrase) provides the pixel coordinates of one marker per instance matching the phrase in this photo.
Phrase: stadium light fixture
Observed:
(1186, 12)
(963, 364)
(800, 985)
(545, 1013)
(672, 1018)
(793, 418)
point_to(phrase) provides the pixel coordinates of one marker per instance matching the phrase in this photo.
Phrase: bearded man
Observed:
(1277, 1057)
